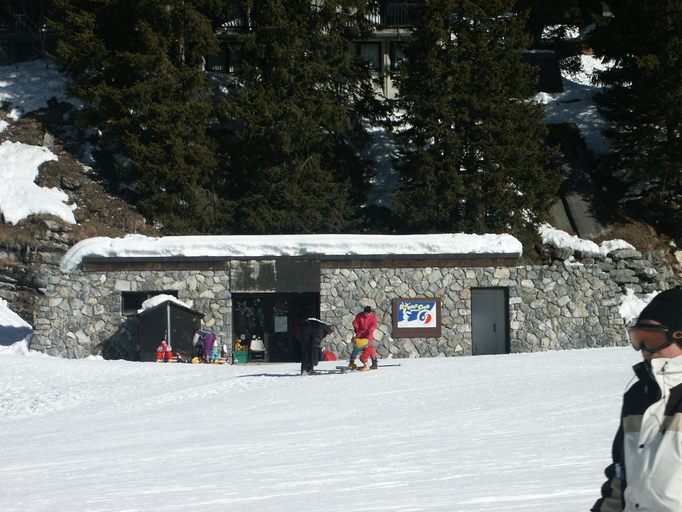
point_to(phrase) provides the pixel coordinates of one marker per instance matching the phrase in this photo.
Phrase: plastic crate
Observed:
(241, 356)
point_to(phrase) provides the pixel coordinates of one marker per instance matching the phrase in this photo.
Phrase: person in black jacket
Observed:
(646, 469)
(312, 332)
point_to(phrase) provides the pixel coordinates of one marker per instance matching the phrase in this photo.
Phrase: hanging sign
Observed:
(281, 324)
(416, 318)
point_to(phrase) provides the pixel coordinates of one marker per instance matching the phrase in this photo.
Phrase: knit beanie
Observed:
(666, 308)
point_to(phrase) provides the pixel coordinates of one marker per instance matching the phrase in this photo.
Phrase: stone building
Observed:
(434, 295)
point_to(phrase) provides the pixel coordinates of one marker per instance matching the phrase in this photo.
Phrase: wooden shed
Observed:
(168, 321)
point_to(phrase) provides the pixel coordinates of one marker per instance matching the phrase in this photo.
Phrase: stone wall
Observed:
(81, 312)
(552, 307)
(24, 265)
(630, 269)
(561, 306)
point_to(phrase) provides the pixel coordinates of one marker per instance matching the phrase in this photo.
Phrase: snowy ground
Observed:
(576, 105)
(524, 432)
(13, 328)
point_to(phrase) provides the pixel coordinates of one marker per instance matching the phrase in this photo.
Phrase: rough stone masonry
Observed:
(557, 306)
(569, 302)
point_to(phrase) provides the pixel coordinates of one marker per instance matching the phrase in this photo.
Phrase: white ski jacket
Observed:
(646, 475)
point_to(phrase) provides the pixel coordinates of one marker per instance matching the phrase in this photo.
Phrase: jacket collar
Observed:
(660, 370)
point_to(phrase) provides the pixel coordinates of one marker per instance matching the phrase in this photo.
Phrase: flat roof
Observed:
(136, 248)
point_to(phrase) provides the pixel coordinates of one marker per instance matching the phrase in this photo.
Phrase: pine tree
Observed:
(297, 115)
(138, 65)
(643, 102)
(473, 154)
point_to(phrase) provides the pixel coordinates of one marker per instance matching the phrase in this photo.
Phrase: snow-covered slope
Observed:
(526, 432)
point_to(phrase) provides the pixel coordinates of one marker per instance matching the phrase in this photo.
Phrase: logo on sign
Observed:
(419, 314)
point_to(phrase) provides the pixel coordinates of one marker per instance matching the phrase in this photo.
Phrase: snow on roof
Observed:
(255, 246)
(154, 301)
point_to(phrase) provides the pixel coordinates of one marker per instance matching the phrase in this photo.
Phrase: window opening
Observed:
(370, 53)
(132, 301)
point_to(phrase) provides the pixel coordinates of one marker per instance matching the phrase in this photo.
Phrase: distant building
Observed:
(382, 52)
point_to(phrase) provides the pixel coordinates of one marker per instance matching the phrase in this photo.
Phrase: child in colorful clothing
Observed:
(359, 345)
(215, 354)
(164, 352)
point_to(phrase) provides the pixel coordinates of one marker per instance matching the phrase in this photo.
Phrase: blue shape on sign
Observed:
(417, 314)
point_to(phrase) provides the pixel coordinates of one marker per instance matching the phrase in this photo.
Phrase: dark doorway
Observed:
(275, 318)
(489, 321)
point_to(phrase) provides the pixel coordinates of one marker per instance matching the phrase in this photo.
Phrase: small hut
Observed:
(168, 321)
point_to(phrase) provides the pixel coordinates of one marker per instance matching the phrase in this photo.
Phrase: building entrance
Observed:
(275, 318)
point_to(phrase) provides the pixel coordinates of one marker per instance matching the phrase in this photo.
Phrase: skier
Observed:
(313, 331)
(647, 468)
(364, 325)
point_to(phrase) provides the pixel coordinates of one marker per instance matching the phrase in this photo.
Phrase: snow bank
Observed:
(631, 305)
(563, 240)
(27, 86)
(15, 333)
(20, 197)
(19, 348)
(576, 105)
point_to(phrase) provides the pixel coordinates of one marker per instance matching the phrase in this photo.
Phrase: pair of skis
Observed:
(345, 369)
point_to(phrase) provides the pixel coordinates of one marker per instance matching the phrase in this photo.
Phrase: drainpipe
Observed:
(168, 325)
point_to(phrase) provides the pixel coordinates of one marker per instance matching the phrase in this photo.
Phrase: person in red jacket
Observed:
(364, 325)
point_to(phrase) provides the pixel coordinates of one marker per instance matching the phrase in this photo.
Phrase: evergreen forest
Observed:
(271, 139)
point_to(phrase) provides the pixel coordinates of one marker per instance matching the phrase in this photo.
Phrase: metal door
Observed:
(489, 321)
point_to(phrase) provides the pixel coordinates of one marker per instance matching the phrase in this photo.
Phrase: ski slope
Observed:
(521, 432)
